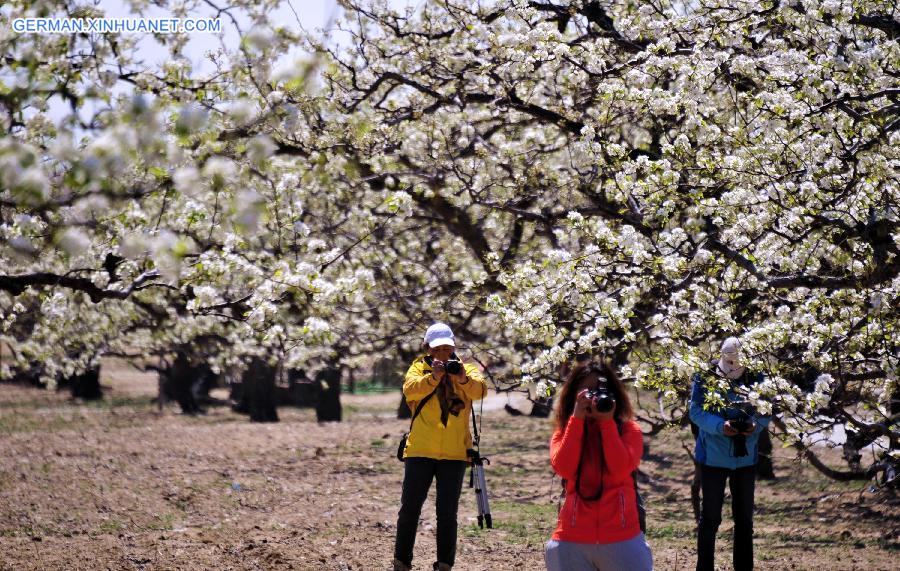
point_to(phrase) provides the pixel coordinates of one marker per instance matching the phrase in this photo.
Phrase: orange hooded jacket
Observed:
(613, 516)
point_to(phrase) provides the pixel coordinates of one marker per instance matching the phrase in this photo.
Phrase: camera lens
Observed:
(604, 403)
(601, 399)
(453, 367)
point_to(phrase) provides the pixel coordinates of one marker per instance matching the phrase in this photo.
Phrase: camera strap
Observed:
(419, 406)
(401, 448)
(476, 437)
(639, 501)
(584, 442)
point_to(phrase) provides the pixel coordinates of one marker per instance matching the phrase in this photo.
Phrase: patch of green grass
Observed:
(812, 482)
(366, 469)
(21, 421)
(669, 531)
(30, 404)
(473, 531)
(377, 443)
(142, 401)
(802, 538)
(162, 522)
(502, 471)
(526, 523)
(763, 555)
(56, 417)
(110, 526)
(9, 532)
(363, 410)
(367, 387)
(498, 425)
(29, 531)
(668, 473)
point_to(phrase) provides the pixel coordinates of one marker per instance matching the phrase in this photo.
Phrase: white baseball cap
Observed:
(439, 334)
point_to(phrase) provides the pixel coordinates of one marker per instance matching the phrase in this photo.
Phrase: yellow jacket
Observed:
(428, 437)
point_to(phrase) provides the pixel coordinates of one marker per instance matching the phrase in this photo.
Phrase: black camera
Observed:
(602, 400)
(453, 366)
(741, 425)
(738, 415)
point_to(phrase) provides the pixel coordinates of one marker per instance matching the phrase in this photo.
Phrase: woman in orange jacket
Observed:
(439, 389)
(596, 448)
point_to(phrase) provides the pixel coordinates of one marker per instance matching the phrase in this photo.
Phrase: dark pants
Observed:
(417, 477)
(741, 482)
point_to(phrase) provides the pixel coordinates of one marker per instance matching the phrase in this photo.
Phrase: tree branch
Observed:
(16, 285)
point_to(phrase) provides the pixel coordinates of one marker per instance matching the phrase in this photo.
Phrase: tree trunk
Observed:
(541, 408)
(695, 492)
(236, 394)
(329, 407)
(259, 391)
(403, 410)
(30, 376)
(205, 380)
(181, 378)
(695, 481)
(302, 391)
(87, 385)
(765, 470)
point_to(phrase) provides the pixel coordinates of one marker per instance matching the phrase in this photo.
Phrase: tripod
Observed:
(477, 481)
(476, 478)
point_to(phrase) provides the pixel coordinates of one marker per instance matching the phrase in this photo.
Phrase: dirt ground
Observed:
(123, 485)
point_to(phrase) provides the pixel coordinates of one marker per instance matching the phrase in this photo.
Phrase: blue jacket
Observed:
(713, 448)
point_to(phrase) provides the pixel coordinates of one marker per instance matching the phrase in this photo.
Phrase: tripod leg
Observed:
(476, 485)
(485, 506)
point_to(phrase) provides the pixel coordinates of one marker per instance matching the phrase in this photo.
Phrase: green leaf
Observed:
(159, 173)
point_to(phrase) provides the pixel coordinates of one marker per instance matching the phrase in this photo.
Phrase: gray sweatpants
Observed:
(630, 555)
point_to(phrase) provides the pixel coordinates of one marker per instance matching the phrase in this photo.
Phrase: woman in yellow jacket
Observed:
(439, 389)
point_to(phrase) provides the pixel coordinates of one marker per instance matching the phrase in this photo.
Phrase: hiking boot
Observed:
(438, 566)
(400, 566)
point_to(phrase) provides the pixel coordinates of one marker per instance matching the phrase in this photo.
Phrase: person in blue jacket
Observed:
(726, 450)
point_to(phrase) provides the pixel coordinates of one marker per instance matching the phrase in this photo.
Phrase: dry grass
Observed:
(120, 485)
